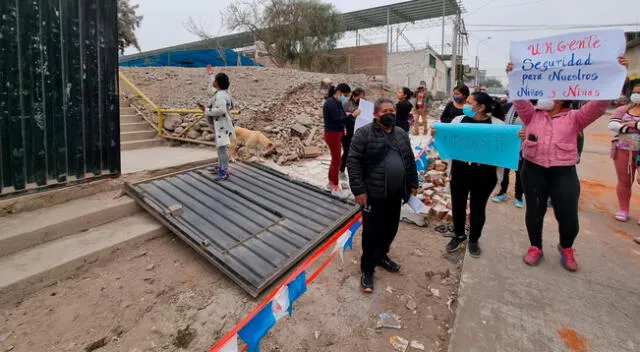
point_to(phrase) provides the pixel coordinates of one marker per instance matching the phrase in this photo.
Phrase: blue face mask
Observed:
(468, 110)
(342, 98)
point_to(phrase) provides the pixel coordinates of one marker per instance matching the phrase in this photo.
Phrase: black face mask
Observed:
(388, 120)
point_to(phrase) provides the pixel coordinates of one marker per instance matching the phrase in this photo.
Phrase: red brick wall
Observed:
(368, 59)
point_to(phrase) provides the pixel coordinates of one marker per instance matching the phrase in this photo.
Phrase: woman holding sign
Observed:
(550, 152)
(335, 119)
(473, 181)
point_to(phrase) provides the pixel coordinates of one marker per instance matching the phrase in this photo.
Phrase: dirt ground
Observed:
(161, 296)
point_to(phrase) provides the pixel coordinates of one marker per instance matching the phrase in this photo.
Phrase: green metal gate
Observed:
(59, 110)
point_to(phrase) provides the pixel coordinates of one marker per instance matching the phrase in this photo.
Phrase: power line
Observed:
(562, 26)
(481, 7)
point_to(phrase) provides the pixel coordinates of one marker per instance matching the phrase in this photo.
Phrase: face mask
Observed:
(635, 98)
(458, 98)
(342, 99)
(546, 104)
(468, 110)
(388, 120)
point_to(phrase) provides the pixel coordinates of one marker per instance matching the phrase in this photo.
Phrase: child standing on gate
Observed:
(218, 113)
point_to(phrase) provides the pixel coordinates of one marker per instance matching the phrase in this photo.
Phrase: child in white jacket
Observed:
(218, 112)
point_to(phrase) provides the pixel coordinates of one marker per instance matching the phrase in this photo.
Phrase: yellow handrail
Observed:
(161, 111)
(138, 91)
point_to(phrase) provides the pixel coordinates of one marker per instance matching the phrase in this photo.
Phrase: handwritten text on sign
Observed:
(497, 145)
(576, 66)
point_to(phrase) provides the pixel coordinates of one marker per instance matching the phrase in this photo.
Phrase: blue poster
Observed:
(497, 145)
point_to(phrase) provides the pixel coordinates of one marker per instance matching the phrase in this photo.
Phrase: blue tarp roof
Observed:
(191, 58)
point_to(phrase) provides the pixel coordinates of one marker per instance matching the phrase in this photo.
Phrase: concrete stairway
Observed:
(40, 247)
(135, 132)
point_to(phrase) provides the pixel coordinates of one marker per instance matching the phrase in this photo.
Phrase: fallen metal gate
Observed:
(253, 227)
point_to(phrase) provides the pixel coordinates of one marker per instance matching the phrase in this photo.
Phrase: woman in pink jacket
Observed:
(625, 122)
(550, 154)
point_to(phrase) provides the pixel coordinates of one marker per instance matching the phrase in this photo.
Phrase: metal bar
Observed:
(181, 111)
(388, 29)
(190, 126)
(137, 91)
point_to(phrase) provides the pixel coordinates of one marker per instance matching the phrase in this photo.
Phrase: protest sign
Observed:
(497, 145)
(575, 66)
(366, 114)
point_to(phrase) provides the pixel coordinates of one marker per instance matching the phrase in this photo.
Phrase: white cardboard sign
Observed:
(574, 66)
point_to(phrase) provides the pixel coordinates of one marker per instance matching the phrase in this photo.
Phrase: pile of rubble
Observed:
(434, 192)
(284, 104)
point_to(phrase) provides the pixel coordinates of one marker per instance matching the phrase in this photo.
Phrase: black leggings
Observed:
(379, 229)
(562, 185)
(475, 182)
(504, 186)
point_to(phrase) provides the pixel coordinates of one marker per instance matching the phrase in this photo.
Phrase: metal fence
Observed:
(59, 109)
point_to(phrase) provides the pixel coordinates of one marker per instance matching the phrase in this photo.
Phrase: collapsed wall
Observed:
(284, 104)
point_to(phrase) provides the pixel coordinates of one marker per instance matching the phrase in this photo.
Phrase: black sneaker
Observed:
(367, 282)
(389, 265)
(474, 249)
(455, 244)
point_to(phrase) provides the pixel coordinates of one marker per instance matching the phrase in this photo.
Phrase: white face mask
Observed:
(635, 98)
(546, 104)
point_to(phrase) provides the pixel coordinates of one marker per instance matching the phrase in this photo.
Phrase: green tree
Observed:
(128, 22)
(297, 32)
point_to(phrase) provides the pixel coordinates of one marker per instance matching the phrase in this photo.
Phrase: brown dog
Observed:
(254, 143)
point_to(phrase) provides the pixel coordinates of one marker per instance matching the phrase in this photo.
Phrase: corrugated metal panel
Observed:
(59, 111)
(253, 227)
(408, 11)
(191, 58)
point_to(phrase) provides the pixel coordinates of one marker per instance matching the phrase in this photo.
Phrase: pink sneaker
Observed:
(533, 256)
(568, 259)
(622, 216)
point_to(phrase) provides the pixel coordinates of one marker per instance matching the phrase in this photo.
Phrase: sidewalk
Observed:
(163, 157)
(505, 305)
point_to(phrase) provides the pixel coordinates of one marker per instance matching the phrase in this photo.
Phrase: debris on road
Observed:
(5, 335)
(388, 321)
(96, 345)
(416, 345)
(411, 304)
(435, 292)
(184, 337)
(398, 343)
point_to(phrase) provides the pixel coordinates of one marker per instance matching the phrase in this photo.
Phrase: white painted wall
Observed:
(408, 68)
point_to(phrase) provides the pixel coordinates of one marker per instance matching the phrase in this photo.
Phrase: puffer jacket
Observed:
(556, 135)
(367, 169)
(218, 114)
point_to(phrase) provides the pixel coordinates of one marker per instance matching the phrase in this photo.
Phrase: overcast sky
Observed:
(163, 23)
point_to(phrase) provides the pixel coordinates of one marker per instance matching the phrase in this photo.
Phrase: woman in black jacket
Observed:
(334, 128)
(403, 109)
(454, 108)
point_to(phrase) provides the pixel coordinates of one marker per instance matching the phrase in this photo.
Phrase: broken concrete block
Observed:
(312, 152)
(299, 129)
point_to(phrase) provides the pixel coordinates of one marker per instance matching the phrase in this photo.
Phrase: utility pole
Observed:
(478, 59)
(444, 12)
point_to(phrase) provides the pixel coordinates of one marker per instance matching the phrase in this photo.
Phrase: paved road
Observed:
(507, 306)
